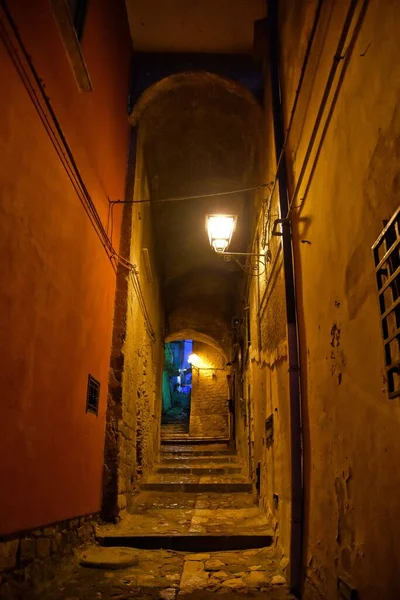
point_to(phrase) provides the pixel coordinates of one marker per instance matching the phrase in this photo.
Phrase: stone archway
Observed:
(197, 134)
(192, 334)
(209, 414)
(200, 133)
(173, 82)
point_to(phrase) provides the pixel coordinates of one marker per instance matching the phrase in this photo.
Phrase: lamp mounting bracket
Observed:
(283, 222)
(262, 255)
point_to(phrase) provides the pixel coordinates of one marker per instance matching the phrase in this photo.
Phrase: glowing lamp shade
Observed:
(193, 359)
(220, 229)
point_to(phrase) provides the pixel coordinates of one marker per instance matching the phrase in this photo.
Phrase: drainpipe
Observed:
(296, 541)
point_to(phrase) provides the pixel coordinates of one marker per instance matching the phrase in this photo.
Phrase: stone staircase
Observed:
(199, 498)
(198, 468)
(172, 431)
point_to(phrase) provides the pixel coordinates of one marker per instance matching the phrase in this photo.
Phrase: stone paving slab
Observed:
(186, 482)
(97, 557)
(179, 522)
(173, 575)
(176, 522)
(147, 500)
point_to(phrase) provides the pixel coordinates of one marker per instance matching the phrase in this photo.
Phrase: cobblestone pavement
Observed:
(183, 524)
(215, 514)
(167, 575)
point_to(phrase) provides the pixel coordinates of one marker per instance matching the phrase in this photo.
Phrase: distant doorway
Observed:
(177, 387)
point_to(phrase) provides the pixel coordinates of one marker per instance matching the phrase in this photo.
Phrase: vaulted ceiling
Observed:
(222, 26)
(201, 133)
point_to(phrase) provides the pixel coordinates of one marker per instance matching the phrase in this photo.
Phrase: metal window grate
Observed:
(386, 252)
(93, 395)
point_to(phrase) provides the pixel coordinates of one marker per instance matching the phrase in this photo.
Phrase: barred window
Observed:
(386, 252)
(93, 395)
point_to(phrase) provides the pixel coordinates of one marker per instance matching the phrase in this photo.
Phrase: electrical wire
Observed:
(345, 56)
(50, 123)
(65, 154)
(338, 56)
(45, 111)
(199, 196)
(294, 108)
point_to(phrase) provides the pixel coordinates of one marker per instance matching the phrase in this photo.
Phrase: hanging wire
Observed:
(46, 113)
(196, 197)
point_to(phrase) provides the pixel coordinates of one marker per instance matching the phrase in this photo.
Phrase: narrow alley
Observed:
(199, 299)
(193, 529)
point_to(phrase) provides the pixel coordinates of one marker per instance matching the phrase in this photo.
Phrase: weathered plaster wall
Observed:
(263, 366)
(57, 285)
(351, 439)
(209, 400)
(143, 351)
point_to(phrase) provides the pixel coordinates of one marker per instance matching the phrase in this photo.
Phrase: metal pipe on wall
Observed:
(338, 56)
(296, 98)
(296, 542)
(296, 546)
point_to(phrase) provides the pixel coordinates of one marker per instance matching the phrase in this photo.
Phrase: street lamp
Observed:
(220, 229)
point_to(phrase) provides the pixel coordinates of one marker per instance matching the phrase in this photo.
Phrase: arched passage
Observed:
(199, 134)
(196, 134)
(192, 334)
(200, 405)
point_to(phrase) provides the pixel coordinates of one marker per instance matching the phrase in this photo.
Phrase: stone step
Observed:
(198, 460)
(222, 484)
(199, 469)
(193, 443)
(201, 454)
(190, 522)
(180, 450)
(188, 542)
(172, 437)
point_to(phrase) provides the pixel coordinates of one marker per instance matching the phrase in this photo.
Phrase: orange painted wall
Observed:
(56, 283)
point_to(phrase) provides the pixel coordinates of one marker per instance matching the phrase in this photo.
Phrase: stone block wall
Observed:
(32, 557)
(209, 400)
(134, 403)
(262, 377)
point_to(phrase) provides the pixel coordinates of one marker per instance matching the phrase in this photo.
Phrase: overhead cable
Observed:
(26, 70)
(198, 196)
